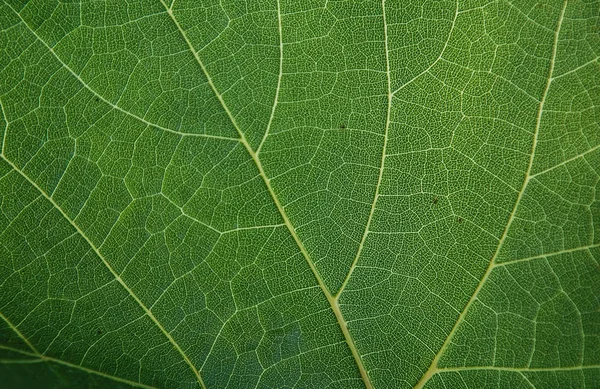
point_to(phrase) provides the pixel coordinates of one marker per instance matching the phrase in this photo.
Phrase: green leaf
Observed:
(299, 194)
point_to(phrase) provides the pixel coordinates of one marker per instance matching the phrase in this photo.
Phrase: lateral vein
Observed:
(433, 368)
(20, 335)
(518, 369)
(437, 59)
(276, 98)
(113, 272)
(43, 358)
(545, 255)
(390, 96)
(100, 97)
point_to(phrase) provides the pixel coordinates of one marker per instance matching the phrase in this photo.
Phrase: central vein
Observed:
(333, 300)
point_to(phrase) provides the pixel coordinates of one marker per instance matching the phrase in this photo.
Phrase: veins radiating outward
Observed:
(434, 368)
(254, 155)
(362, 313)
(48, 197)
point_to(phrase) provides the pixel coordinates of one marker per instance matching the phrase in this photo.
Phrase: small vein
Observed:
(485, 169)
(546, 255)
(43, 358)
(184, 213)
(437, 59)
(595, 60)
(527, 380)
(526, 16)
(276, 99)
(566, 161)
(113, 272)
(253, 228)
(100, 97)
(5, 127)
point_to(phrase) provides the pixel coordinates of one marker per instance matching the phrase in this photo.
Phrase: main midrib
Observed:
(333, 300)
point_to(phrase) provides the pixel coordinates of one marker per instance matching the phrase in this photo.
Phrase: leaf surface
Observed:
(299, 194)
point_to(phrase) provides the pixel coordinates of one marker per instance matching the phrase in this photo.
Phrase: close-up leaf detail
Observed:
(300, 194)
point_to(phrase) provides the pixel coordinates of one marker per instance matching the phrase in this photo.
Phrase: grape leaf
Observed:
(288, 194)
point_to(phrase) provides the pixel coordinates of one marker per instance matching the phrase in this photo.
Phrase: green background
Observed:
(299, 194)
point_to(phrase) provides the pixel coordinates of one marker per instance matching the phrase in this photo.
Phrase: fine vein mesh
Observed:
(299, 194)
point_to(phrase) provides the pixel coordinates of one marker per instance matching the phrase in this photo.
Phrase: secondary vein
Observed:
(390, 96)
(102, 98)
(20, 335)
(40, 358)
(433, 368)
(404, 85)
(276, 98)
(112, 271)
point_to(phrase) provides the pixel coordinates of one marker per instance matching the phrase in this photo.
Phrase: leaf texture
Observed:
(300, 194)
